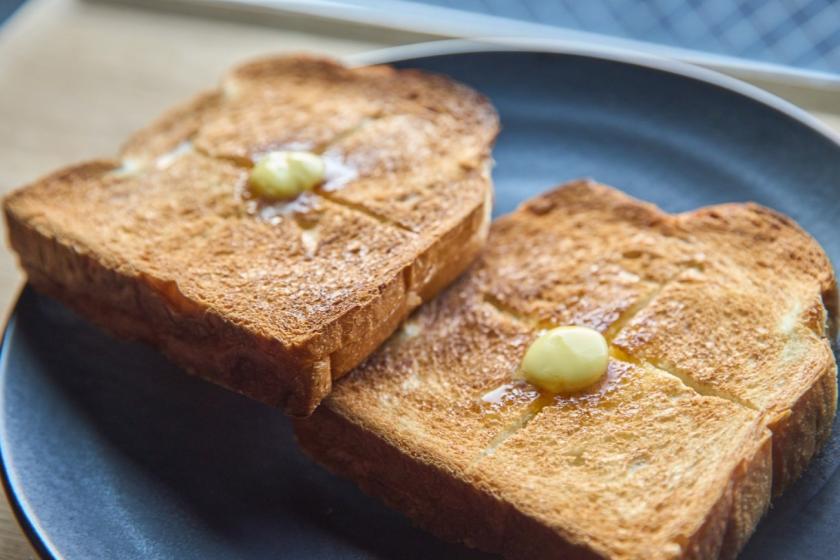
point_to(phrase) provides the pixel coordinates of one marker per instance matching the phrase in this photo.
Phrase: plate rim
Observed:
(651, 61)
(37, 535)
(27, 523)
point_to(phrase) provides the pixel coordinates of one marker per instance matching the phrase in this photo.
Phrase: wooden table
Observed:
(77, 77)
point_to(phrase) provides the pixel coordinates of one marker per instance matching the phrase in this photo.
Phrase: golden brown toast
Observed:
(274, 300)
(674, 453)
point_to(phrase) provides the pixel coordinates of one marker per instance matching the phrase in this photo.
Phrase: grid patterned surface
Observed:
(799, 33)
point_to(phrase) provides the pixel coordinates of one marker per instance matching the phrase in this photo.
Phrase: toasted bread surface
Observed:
(272, 299)
(662, 458)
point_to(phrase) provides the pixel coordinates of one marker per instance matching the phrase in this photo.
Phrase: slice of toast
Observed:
(671, 454)
(271, 299)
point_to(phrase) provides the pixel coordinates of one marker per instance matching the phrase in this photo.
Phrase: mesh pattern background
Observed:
(799, 33)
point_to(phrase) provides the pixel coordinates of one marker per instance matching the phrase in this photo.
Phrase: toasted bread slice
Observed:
(274, 300)
(660, 459)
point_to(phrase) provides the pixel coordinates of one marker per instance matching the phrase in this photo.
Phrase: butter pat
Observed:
(566, 359)
(283, 174)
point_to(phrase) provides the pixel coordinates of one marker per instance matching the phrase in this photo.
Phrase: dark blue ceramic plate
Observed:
(110, 452)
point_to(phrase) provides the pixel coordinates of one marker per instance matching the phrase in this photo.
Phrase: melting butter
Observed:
(286, 174)
(566, 359)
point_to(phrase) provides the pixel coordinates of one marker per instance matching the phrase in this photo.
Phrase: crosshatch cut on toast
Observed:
(274, 300)
(720, 388)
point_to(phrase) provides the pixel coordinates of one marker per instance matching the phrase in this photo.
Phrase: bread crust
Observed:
(752, 483)
(457, 511)
(444, 505)
(801, 431)
(246, 353)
